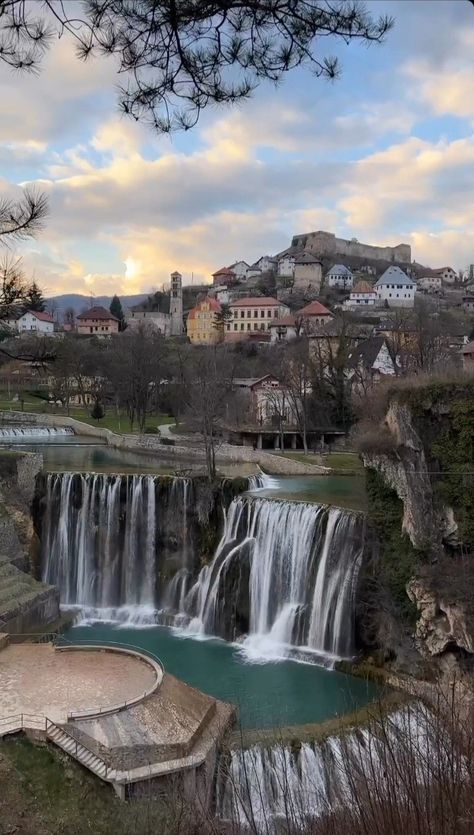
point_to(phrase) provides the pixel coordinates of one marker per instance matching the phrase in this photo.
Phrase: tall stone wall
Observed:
(326, 243)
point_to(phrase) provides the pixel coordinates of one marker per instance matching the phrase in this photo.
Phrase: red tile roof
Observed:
(314, 309)
(98, 313)
(363, 287)
(257, 301)
(214, 305)
(288, 321)
(43, 317)
(224, 271)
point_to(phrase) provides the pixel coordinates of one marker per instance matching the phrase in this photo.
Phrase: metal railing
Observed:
(65, 643)
(36, 722)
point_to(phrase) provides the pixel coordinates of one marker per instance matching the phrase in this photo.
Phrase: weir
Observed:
(24, 433)
(129, 548)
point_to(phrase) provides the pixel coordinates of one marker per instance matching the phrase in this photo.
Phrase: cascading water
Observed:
(103, 544)
(24, 433)
(261, 787)
(129, 548)
(302, 562)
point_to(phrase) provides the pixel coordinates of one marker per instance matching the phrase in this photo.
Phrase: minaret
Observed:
(176, 304)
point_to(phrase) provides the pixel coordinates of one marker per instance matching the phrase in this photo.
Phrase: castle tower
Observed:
(176, 304)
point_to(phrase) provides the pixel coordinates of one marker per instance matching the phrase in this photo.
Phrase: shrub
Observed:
(167, 441)
(151, 430)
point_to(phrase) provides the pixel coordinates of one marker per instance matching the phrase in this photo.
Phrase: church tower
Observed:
(176, 304)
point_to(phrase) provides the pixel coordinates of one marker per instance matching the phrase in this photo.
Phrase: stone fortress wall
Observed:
(326, 243)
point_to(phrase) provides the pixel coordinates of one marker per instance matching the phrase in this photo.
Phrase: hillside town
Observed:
(325, 320)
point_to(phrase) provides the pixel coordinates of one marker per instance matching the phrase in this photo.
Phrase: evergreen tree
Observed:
(34, 299)
(117, 311)
(98, 411)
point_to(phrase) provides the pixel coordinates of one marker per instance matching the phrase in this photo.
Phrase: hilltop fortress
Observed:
(325, 244)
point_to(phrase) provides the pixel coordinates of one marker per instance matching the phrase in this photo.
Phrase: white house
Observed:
(447, 274)
(240, 269)
(369, 362)
(430, 283)
(266, 264)
(286, 265)
(339, 276)
(284, 329)
(33, 320)
(396, 288)
(363, 294)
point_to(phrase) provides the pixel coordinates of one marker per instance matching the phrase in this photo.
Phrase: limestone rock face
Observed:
(428, 524)
(443, 624)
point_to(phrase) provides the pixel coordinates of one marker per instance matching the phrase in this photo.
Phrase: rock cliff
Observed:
(421, 498)
(26, 605)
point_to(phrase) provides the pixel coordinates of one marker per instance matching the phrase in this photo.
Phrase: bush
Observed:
(167, 441)
(374, 440)
(151, 430)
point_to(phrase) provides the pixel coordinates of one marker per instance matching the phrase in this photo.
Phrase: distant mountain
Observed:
(59, 304)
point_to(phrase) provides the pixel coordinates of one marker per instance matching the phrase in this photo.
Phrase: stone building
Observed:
(308, 272)
(176, 304)
(146, 313)
(326, 244)
(98, 321)
(252, 317)
(340, 277)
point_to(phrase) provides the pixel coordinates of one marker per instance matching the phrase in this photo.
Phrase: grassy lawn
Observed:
(110, 420)
(44, 792)
(335, 460)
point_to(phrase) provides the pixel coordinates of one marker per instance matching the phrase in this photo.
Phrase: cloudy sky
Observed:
(384, 154)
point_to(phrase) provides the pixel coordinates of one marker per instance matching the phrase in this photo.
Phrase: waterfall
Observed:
(282, 579)
(104, 543)
(303, 562)
(25, 433)
(260, 787)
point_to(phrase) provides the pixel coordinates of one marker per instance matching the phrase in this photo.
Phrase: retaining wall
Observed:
(270, 462)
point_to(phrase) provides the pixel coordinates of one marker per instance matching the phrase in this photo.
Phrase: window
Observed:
(255, 326)
(269, 313)
(248, 326)
(228, 327)
(262, 314)
(235, 327)
(241, 326)
(262, 326)
(242, 314)
(255, 313)
(249, 314)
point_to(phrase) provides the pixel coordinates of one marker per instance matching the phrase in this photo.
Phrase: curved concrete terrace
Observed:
(74, 682)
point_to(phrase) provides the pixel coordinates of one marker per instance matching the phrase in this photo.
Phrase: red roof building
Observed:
(97, 321)
(224, 276)
(251, 317)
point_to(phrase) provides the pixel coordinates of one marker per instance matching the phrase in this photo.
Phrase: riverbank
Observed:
(152, 445)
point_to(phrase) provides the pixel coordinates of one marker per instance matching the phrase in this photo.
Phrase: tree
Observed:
(13, 287)
(23, 218)
(206, 383)
(221, 318)
(34, 299)
(297, 373)
(180, 57)
(331, 387)
(97, 411)
(134, 365)
(117, 311)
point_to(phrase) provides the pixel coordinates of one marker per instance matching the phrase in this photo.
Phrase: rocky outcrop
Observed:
(428, 522)
(26, 605)
(446, 618)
